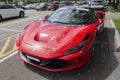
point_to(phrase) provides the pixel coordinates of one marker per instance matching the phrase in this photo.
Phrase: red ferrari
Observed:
(61, 41)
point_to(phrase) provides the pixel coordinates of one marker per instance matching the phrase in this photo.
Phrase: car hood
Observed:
(53, 38)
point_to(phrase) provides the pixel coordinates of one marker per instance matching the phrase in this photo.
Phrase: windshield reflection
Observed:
(70, 16)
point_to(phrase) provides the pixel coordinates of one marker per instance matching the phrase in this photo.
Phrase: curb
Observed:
(113, 36)
(117, 36)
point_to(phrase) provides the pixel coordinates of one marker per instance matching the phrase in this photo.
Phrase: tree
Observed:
(115, 4)
(28, 1)
(5, 1)
(109, 2)
(24, 1)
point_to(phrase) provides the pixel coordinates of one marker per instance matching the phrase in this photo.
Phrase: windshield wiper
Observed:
(60, 22)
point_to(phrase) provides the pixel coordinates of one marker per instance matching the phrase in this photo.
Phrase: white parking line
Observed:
(10, 30)
(5, 58)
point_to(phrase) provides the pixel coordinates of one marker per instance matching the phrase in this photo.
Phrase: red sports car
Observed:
(61, 41)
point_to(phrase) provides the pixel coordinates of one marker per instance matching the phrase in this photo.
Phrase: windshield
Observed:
(70, 16)
(96, 3)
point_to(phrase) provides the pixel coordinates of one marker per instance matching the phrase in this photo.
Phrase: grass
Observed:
(111, 9)
(117, 24)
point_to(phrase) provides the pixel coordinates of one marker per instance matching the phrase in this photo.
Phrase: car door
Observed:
(12, 11)
(15, 11)
(4, 12)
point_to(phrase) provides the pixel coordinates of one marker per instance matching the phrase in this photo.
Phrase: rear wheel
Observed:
(93, 48)
(93, 51)
(37, 9)
(49, 9)
(21, 14)
(43, 9)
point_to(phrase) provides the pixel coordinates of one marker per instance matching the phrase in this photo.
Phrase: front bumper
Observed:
(56, 64)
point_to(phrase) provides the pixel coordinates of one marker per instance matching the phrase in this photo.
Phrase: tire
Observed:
(21, 14)
(0, 18)
(93, 48)
(48, 9)
(42, 9)
(37, 9)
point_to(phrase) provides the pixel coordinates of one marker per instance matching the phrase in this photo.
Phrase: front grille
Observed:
(56, 63)
(34, 62)
(52, 64)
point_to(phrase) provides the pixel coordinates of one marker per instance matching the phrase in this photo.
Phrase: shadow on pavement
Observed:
(99, 67)
(12, 19)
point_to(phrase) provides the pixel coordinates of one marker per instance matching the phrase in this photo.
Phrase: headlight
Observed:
(76, 48)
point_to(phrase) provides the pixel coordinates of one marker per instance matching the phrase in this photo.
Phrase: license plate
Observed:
(33, 58)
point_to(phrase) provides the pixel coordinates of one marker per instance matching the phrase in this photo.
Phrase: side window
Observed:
(2, 7)
(9, 7)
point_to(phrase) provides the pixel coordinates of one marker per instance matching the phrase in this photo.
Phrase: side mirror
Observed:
(45, 17)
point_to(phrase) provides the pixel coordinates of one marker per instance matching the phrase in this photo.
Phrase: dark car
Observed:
(65, 3)
(41, 6)
(53, 6)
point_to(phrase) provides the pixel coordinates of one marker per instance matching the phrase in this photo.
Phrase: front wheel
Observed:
(37, 9)
(21, 14)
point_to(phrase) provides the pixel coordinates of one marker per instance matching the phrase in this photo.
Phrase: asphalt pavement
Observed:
(113, 45)
(98, 69)
(103, 66)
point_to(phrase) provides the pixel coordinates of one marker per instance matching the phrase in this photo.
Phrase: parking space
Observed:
(8, 45)
(14, 69)
(11, 28)
(98, 69)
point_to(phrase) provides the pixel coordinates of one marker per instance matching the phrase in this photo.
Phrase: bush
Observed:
(110, 8)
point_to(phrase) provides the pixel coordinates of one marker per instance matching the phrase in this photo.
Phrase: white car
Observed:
(28, 6)
(97, 4)
(9, 11)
